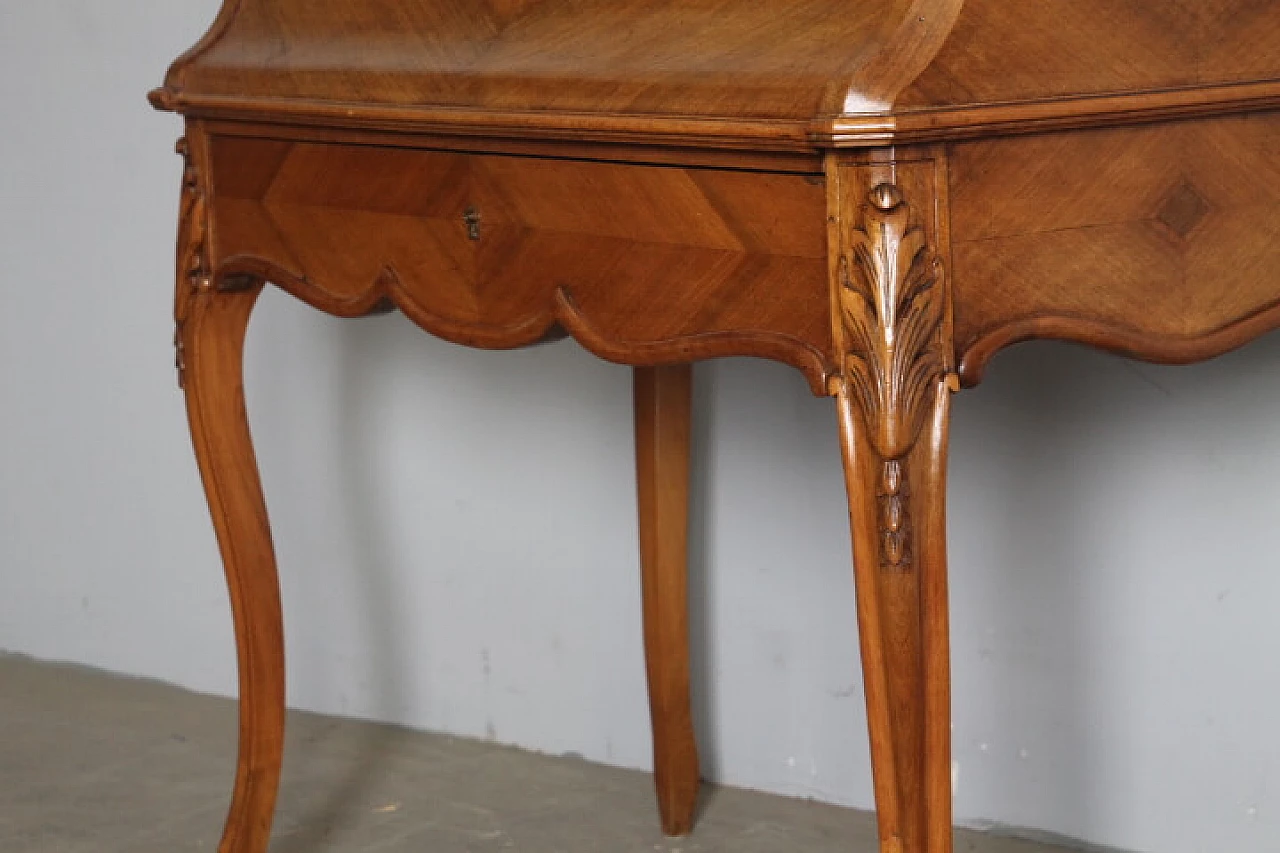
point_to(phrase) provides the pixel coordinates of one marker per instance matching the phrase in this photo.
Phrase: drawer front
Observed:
(649, 263)
(1160, 242)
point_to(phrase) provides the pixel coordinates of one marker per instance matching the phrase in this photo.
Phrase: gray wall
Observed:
(456, 528)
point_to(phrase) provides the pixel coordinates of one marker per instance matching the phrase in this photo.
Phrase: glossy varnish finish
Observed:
(782, 74)
(697, 57)
(881, 193)
(663, 404)
(1158, 242)
(211, 324)
(489, 250)
(890, 314)
(1067, 48)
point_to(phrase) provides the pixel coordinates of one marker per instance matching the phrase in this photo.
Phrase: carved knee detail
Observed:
(890, 326)
(192, 274)
(193, 226)
(890, 312)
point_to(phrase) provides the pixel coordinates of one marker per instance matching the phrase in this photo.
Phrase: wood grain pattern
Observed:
(1159, 243)
(663, 412)
(211, 331)
(1066, 48)
(986, 121)
(698, 58)
(530, 145)
(783, 74)
(722, 262)
(893, 395)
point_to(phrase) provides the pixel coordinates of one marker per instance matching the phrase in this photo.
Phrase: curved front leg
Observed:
(210, 339)
(896, 509)
(893, 393)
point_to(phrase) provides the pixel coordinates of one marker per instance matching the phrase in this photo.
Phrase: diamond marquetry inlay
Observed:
(1182, 210)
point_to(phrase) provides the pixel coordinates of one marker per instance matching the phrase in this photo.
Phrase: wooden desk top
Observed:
(736, 73)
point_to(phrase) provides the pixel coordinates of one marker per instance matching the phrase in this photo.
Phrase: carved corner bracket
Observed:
(891, 323)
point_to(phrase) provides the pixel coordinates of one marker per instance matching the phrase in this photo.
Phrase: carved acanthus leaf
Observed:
(891, 308)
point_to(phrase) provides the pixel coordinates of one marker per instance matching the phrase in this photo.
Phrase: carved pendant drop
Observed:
(895, 534)
(891, 308)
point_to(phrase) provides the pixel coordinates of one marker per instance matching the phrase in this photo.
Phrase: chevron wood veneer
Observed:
(881, 193)
(496, 250)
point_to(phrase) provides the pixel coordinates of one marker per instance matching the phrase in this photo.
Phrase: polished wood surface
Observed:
(781, 74)
(1156, 242)
(494, 251)
(210, 341)
(881, 193)
(1068, 48)
(892, 394)
(697, 57)
(663, 411)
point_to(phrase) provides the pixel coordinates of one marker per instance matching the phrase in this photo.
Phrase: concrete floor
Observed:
(95, 764)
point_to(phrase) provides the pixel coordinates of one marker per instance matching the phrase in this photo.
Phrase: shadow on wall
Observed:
(1113, 539)
(362, 502)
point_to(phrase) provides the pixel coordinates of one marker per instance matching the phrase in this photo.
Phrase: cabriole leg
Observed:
(897, 514)
(212, 321)
(663, 402)
(893, 393)
(213, 336)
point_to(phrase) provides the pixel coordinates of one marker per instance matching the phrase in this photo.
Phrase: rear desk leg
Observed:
(893, 387)
(663, 402)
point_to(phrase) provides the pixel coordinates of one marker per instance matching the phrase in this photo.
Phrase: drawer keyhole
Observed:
(472, 220)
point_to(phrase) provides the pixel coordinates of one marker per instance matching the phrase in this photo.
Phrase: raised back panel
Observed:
(775, 74)
(728, 58)
(1002, 51)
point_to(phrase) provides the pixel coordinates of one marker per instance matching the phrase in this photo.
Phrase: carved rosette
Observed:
(891, 307)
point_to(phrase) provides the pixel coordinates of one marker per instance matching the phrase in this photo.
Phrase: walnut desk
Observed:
(880, 193)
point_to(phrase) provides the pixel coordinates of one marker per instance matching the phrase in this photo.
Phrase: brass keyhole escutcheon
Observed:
(472, 220)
